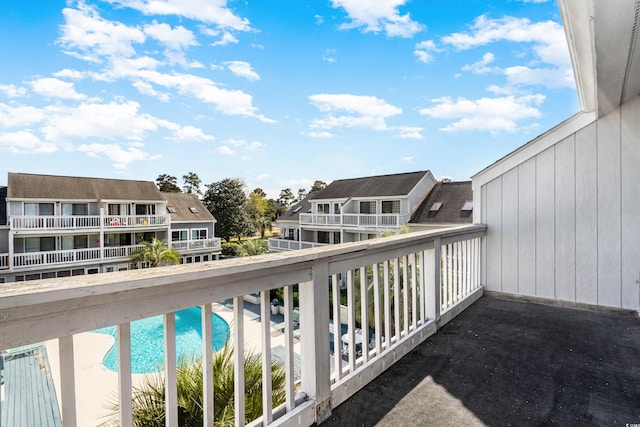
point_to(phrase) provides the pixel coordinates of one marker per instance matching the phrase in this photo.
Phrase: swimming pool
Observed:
(147, 340)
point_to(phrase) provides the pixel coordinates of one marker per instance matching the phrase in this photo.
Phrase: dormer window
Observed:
(468, 206)
(193, 209)
(296, 210)
(171, 209)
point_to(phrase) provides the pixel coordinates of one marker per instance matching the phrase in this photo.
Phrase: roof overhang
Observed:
(603, 38)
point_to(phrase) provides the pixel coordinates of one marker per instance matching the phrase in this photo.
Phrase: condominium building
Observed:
(59, 226)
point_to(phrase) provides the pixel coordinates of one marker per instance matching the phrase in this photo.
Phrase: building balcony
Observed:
(347, 220)
(85, 222)
(415, 283)
(4, 261)
(45, 259)
(213, 244)
(291, 245)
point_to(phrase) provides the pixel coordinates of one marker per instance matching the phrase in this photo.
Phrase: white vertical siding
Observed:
(586, 216)
(527, 227)
(630, 146)
(564, 217)
(609, 226)
(565, 228)
(510, 231)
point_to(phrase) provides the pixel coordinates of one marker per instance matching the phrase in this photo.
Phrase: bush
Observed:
(233, 250)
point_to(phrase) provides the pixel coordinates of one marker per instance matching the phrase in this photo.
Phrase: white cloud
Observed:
(379, 15)
(227, 38)
(480, 67)
(330, 56)
(121, 157)
(20, 116)
(255, 145)
(226, 150)
(424, 50)
(87, 36)
(409, 132)
(549, 47)
(323, 134)
(208, 11)
(146, 89)
(69, 74)
(407, 159)
(242, 69)
(361, 111)
(25, 142)
(178, 38)
(13, 91)
(54, 88)
(496, 115)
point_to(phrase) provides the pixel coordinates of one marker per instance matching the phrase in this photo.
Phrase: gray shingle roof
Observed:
(303, 206)
(182, 202)
(31, 186)
(453, 196)
(372, 186)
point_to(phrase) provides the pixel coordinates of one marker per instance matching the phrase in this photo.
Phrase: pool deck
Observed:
(97, 385)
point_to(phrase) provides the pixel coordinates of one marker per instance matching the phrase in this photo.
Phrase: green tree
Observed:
(156, 253)
(286, 197)
(148, 400)
(302, 194)
(260, 211)
(317, 186)
(226, 201)
(191, 183)
(167, 183)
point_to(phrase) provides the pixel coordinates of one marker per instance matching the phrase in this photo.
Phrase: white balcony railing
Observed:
(112, 221)
(26, 223)
(398, 290)
(20, 223)
(382, 221)
(291, 245)
(120, 251)
(4, 261)
(48, 258)
(214, 244)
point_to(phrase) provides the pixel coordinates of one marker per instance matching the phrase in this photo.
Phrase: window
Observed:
(39, 244)
(80, 242)
(193, 209)
(69, 209)
(118, 209)
(145, 237)
(64, 273)
(436, 206)
(92, 271)
(145, 209)
(468, 206)
(49, 275)
(171, 209)
(178, 235)
(368, 207)
(35, 276)
(199, 234)
(336, 237)
(291, 234)
(323, 237)
(296, 210)
(118, 239)
(323, 208)
(38, 209)
(77, 272)
(391, 206)
(336, 208)
(196, 258)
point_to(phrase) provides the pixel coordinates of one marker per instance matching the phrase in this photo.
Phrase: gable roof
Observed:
(32, 186)
(453, 196)
(373, 186)
(183, 203)
(303, 206)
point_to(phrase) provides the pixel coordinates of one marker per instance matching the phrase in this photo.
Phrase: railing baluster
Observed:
(337, 328)
(289, 360)
(376, 308)
(351, 322)
(238, 360)
(414, 292)
(396, 297)
(387, 305)
(267, 386)
(405, 294)
(67, 381)
(171, 392)
(364, 308)
(124, 373)
(207, 366)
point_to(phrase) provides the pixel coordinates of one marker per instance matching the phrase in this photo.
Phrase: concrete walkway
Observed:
(505, 363)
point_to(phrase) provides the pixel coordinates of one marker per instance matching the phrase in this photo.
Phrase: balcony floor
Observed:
(505, 362)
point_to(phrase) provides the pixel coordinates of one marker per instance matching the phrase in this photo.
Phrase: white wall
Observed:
(564, 216)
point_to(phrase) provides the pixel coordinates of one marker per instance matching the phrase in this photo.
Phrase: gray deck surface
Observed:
(505, 362)
(29, 394)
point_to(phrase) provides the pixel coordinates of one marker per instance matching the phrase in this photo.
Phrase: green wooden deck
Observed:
(28, 395)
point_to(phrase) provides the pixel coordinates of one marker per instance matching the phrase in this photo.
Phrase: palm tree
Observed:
(148, 400)
(155, 253)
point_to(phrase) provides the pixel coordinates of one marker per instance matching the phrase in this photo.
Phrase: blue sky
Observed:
(278, 93)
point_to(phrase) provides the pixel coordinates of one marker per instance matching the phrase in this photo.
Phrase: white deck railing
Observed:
(291, 245)
(4, 261)
(355, 220)
(194, 245)
(414, 283)
(26, 223)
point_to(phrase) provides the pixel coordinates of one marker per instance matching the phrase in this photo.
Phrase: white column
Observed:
(67, 381)
(124, 373)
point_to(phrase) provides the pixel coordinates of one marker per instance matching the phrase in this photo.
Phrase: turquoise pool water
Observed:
(147, 340)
